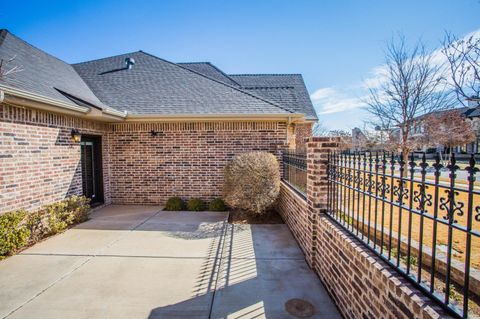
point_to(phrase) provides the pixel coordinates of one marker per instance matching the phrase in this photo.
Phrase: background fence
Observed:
(295, 169)
(421, 217)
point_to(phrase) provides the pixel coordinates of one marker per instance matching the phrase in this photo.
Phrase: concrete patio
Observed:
(141, 262)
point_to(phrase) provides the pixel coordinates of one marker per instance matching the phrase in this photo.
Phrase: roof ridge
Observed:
(215, 67)
(254, 87)
(108, 57)
(263, 74)
(5, 32)
(3, 35)
(223, 83)
(206, 62)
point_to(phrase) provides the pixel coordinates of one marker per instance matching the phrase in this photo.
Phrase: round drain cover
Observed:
(299, 308)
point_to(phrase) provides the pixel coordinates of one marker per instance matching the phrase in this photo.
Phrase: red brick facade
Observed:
(184, 159)
(361, 284)
(40, 164)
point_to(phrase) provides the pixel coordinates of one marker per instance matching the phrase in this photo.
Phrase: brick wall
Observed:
(293, 207)
(184, 159)
(360, 283)
(302, 132)
(39, 163)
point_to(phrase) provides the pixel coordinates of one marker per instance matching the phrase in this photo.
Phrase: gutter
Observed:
(115, 113)
(27, 99)
(17, 96)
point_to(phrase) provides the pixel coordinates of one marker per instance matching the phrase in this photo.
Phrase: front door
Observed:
(91, 161)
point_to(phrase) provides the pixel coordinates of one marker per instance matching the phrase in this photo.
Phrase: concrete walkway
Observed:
(141, 262)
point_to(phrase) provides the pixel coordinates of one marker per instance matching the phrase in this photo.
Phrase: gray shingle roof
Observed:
(467, 111)
(210, 70)
(472, 112)
(153, 85)
(156, 86)
(286, 89)
(42, 73)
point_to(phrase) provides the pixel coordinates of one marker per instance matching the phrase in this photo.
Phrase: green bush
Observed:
(175, 203)
(14, 233)
(217, 205)
(195, 205)
(19, 228)
(54, 218)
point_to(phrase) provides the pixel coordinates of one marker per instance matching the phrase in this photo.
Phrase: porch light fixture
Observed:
(153, 133)
(76, 136)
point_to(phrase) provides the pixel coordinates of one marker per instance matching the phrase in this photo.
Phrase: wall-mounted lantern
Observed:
(76, 136)
(153, 133)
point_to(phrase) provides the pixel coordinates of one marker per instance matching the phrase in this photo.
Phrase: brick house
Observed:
(134, 128)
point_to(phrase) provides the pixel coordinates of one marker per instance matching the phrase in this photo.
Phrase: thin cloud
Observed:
(331, 100)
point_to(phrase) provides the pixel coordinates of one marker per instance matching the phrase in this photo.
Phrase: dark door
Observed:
(91, 160)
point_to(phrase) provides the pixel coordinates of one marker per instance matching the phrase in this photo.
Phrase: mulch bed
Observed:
(242, 217)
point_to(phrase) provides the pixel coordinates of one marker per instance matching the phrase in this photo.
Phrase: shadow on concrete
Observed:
(239, 284)
(181, 225)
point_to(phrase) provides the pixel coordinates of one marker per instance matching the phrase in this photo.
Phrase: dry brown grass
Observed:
(459, 238)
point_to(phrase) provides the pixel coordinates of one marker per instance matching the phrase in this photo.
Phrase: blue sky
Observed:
(335, 44)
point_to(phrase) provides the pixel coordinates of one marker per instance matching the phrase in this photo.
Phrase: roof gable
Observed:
(153, 86)
(210, 70)
(286, 89)
(157, 86)
(42, 73)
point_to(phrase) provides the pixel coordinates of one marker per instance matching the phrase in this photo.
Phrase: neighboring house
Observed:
(134, 128)
(359, 140)
(471, 113)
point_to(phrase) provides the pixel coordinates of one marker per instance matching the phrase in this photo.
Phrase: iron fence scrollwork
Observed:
(421, 217)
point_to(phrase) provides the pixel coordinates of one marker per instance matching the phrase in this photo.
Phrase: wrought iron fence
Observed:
(295, 169)
(421, 217)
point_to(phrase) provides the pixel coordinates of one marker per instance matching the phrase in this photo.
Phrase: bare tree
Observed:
(412, 87)
(448, 129)
(319, 129)
(372, 140)
(6, 68)
(463, 56)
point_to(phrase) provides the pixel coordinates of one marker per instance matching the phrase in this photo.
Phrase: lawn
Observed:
(361, 206)
(360, 211)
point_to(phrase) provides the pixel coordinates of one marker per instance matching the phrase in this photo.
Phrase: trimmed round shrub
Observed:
(217, 205)
(252, 182)
(14, 233)
(195, 205)
(175, 203)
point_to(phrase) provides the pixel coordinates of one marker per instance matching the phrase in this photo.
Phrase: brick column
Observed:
(317, 186)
